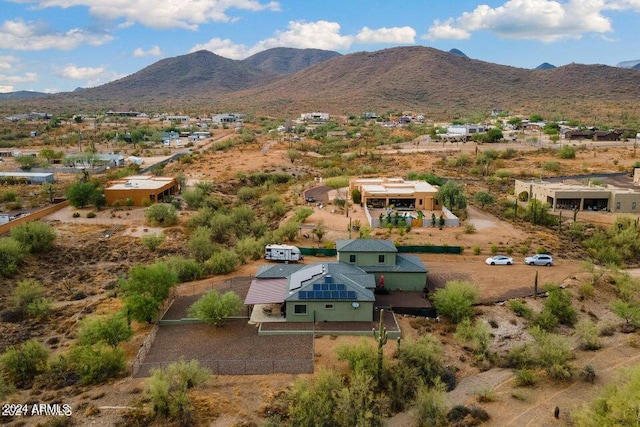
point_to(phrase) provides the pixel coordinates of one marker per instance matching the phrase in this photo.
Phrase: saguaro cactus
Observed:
(381, 337)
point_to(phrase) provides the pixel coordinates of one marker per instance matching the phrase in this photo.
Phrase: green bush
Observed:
(315, 403)
(20, 365)
(520, 309)
(96, 363)
(455, 300)
(12, 254)
(36, 236)
(168, 388)
(525, 377)
(111, 330)
(222, 262)
(362, 358)
(91, 214)
(215, 309)
(146, 288)
(559, 304)
(550, 166)
(8, 196)
(161, 214)
(187, 269)
(430, 405)
(425, 355)
(477, 250)
(588, 335)
(567, 152)
(153, 241)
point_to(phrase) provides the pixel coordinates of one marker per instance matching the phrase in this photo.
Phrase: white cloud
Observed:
(188, 14)
(545, 20)
(27, 78)
(302, 35)
(6, 89)
(224, 47)
(80, 73)
(19, 35)
(154, 51)
(8, 62)
(394, 35)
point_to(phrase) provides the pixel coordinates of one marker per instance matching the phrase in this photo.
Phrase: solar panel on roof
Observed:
(296, 279)
(325, 286)
(317, 286)
(335, 294)
(341, 287)
(351, 295)
(343, 294)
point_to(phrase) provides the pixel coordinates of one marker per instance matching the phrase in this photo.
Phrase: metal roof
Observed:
(365, 245)
(404, 264)
(266, 291)
(356, 284)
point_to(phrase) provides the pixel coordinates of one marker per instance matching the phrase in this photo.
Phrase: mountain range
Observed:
(286, 81)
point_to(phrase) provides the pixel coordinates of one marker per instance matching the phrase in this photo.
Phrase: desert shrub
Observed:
(153, 241)
(36, 236)
(96, 363)
(588, 373)
(8, 196)
(29, 297)
(550, 166)
(362, 358)
(222, 262)
(214, 308)
(40, 309)
(476, 334)
(287, 231)
(6, 388)
(246, 194)
(552, 352)
(486, 395)
(194, 198)
(430, 405)
(76, 215)
(302, 213)
(315, 403)
(161, 214)
(168, 388)
(546, 320)
(616, 404)
(525, 377)
(477, 250)
(357, 403)
(627, 311)
(559, 304)
(425, 355)
(187, 269)
(567, 152)
(200, 245)
(20, 365)
(249, 249)
(455, 300)
(91, 214)
(469, 228)
(111, 330)
(401, 385)
(12, 255)
(588, 335)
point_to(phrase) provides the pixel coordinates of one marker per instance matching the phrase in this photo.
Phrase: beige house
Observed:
(142, 190)
(385, 192)
(561, 195)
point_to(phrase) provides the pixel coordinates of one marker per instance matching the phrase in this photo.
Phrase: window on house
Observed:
(328, 306)
(352, 258)
(633, 206)
(420, 202)
(617, 206)
(300, 309)
(380, 258)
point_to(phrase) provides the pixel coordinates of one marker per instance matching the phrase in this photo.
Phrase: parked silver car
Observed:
(539, 259)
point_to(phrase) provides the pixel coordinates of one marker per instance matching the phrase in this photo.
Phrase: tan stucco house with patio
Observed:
(386, 192)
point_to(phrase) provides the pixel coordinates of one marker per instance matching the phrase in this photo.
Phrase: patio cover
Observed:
(267, 291)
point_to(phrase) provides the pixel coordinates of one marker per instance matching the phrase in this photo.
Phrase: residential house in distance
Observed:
(462, 132)
(562, 195)
(335, 291)
(384, 192)
(27, 177)
(314, 117)
(227, 118)
(142, 190)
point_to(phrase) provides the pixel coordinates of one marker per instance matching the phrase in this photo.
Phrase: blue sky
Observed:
(59, 45)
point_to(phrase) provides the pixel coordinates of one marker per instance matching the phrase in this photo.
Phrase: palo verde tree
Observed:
(146, 288)
(36, 236)
(455, 301)
(81, 194)
(214, 308)
(451, 195)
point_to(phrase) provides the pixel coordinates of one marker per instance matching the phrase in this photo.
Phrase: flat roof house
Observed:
(141, 189)
(561, 195)
(384, 192)
(27, 177)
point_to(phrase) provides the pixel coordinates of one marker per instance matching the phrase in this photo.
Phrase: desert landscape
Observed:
(94, 252)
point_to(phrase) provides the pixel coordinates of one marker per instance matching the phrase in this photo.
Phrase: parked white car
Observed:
(539, 259)
(499, 260)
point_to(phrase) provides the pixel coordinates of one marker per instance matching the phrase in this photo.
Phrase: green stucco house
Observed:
(381, 258)
(337, 291)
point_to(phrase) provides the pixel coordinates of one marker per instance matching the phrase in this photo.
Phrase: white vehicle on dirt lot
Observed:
(499, 260)
(539, 259)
